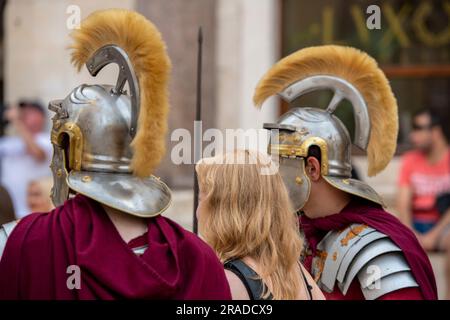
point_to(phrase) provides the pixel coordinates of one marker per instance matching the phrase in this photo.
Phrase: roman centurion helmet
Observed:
(351, 75)
(107, 142)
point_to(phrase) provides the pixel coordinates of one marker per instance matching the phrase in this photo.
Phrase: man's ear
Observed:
(313, 170)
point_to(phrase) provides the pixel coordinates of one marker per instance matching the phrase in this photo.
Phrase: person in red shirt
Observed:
(424, 175)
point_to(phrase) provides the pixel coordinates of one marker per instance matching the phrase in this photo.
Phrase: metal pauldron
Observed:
(361, 253)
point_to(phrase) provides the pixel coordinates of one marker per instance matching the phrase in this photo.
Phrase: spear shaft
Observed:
(198, 117)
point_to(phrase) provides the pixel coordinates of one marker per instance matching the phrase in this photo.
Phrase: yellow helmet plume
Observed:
(143, 43)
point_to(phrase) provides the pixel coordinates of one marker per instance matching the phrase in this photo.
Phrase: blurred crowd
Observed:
(25, 155)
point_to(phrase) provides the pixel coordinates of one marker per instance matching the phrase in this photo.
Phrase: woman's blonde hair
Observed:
(249, 214)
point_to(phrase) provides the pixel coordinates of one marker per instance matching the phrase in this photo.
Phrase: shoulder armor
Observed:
(386, 273)
(5, 231)
(362, 252)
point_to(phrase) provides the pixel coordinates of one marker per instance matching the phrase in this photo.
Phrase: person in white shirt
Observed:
(26, 156)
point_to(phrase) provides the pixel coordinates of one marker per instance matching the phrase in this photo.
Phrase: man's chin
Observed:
(422, 149)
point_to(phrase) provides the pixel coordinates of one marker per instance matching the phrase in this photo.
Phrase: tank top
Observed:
(252, 282)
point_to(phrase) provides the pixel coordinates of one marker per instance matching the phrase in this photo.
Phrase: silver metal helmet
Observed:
(351, 75)
(95, 126)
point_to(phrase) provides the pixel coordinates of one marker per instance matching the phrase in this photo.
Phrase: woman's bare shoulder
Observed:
(316, 292)
(238, 290)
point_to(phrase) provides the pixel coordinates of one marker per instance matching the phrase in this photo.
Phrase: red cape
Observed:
(373, 215)
(176, 265)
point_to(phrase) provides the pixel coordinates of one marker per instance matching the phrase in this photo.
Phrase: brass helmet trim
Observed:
(288, 150)
(73, 131)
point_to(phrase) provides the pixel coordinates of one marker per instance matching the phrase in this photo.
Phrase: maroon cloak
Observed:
(176, 265)
(373, 215)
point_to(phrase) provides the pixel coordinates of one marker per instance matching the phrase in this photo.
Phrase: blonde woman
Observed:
(38, 195)
(244, 213)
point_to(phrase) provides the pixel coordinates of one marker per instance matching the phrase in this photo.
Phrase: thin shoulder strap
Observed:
(250, 279)
(309, 288)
